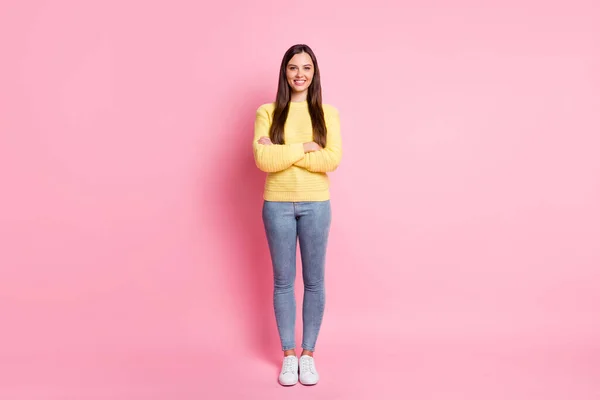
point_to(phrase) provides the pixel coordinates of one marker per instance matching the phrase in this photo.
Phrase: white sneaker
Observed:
(289, 371)
(308, 371)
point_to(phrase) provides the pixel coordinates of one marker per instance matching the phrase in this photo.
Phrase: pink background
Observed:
(464, 257)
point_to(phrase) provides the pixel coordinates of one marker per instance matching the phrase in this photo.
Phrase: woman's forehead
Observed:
(300, 59)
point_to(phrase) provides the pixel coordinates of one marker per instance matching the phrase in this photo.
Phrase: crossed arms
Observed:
(271, 157)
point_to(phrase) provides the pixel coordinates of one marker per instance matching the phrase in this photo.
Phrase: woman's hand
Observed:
(311, 146)
(265, 140)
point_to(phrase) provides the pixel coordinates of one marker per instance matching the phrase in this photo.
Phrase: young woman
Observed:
(297, 141)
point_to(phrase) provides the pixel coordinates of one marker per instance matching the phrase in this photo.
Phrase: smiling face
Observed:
(299, 73)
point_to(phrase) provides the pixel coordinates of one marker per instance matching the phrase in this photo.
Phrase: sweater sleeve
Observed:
(275, 157)
(327, 159)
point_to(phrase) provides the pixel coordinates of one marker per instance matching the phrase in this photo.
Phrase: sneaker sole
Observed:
(287, 384)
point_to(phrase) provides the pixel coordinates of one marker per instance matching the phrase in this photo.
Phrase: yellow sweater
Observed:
(292, 174)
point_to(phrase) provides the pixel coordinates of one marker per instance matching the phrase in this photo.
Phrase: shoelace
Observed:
(308, 363)
(288, 365)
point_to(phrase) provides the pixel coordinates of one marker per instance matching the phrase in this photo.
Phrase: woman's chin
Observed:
(299, 89)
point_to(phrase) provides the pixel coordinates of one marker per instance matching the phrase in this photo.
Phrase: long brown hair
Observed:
(315, 103)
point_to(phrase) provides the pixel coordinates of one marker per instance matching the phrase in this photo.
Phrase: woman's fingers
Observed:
(265, 140)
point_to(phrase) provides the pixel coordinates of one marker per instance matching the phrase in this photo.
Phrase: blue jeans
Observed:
(286, 223)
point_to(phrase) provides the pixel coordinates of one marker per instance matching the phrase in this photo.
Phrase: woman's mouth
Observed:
(299, 82)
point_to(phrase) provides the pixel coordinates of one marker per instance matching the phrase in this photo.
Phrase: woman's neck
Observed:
(298, 97)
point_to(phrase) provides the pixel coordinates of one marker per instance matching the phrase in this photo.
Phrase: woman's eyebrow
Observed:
(305, 65)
